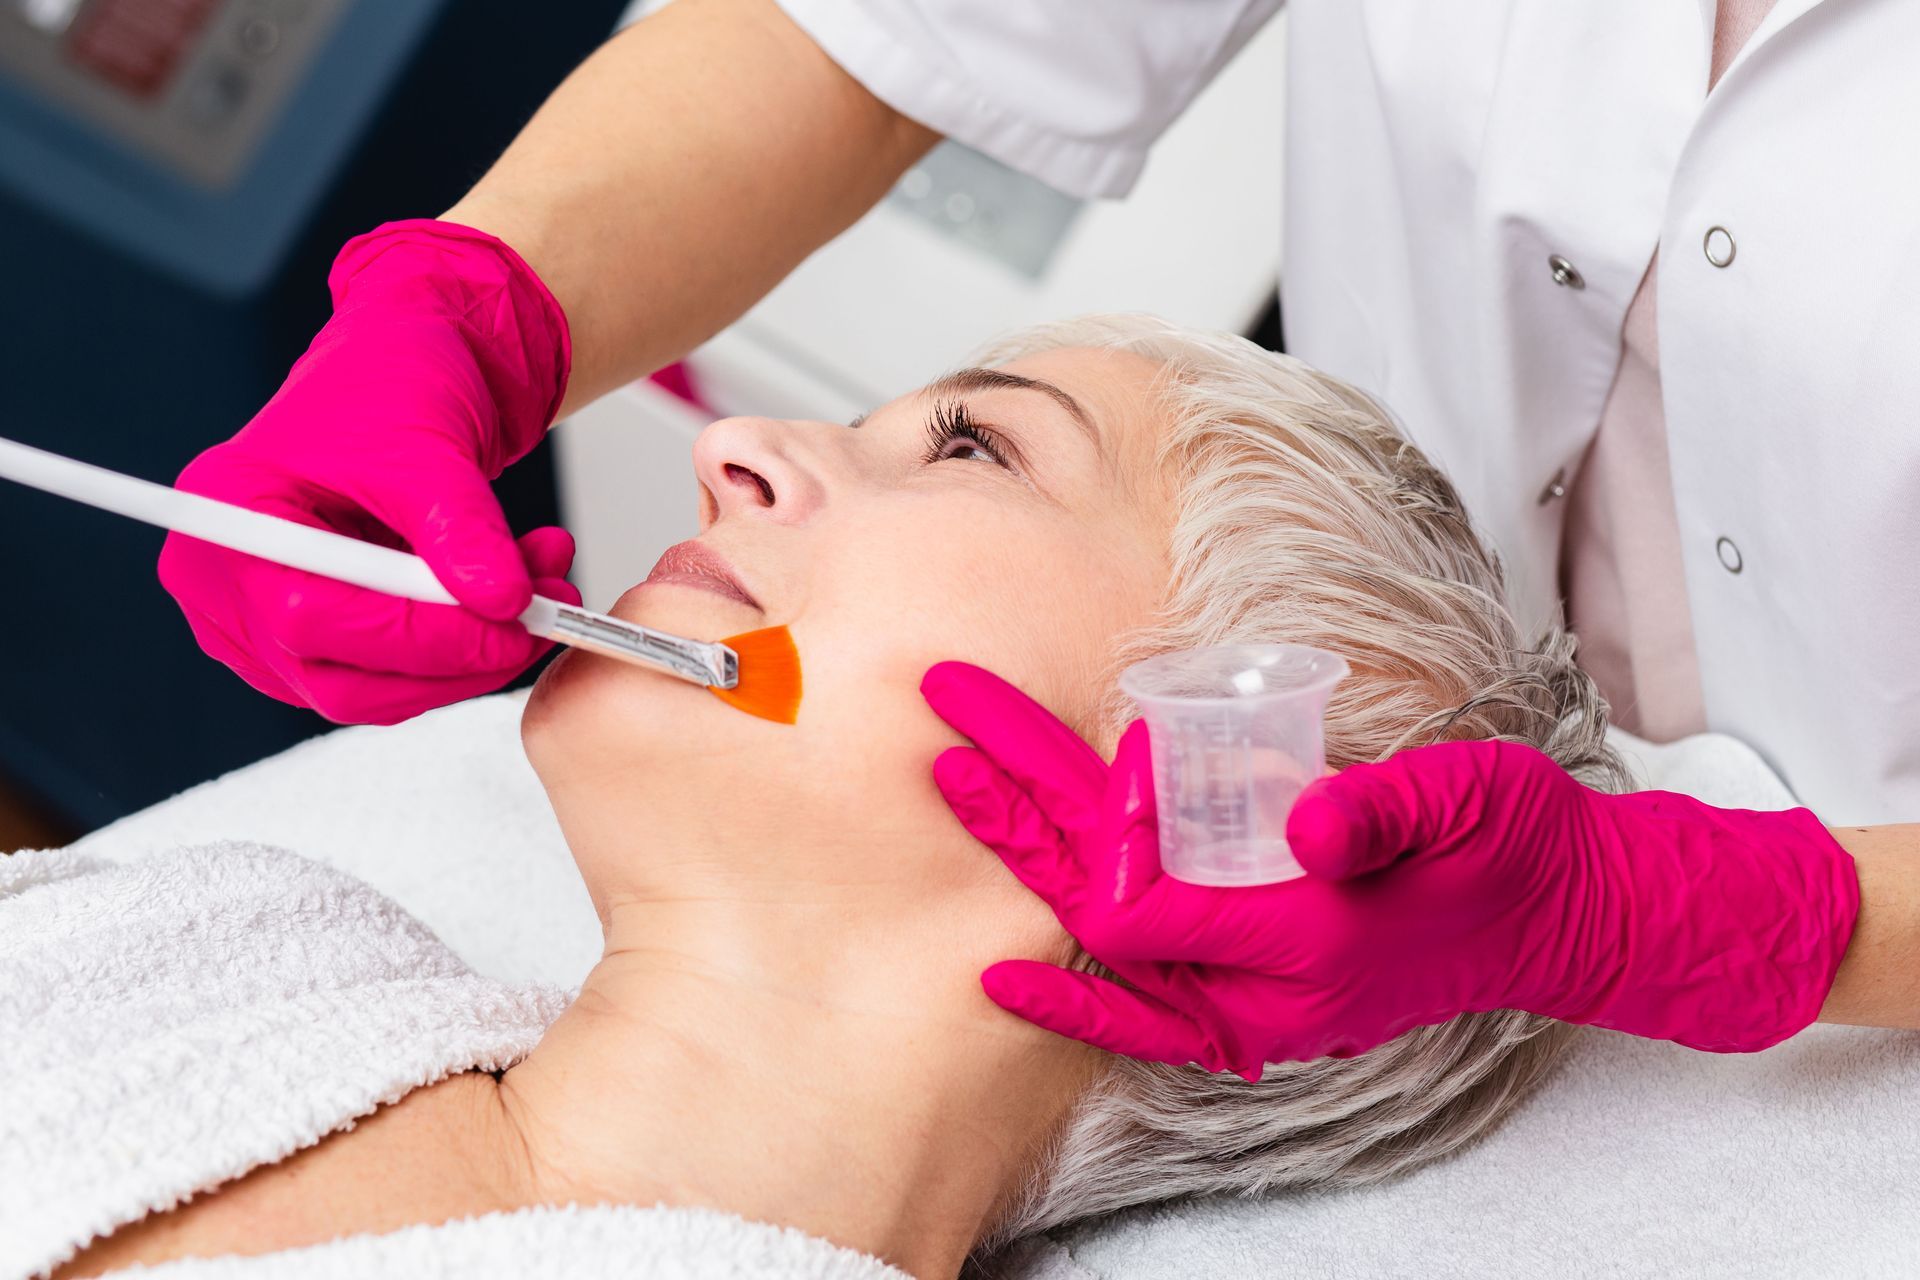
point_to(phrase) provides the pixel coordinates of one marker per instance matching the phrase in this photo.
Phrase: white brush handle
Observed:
(298, 546)
(334, 555)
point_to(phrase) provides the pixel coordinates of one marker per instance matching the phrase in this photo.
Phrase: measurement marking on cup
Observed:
(1236, 732)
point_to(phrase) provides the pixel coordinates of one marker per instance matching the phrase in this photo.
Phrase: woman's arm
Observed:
(666, 185)
(1878, 984)
(682, 171)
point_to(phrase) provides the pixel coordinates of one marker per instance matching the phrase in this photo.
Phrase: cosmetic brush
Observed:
(756, 671)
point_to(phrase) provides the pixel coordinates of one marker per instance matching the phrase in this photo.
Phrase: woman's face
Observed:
(1015, 518)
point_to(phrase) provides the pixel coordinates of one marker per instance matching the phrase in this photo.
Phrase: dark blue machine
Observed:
(175, 176)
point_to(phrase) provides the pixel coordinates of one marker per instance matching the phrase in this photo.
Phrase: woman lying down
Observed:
(788, 1022)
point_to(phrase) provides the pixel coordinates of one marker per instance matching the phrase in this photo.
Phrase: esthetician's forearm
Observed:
(1878, 984)
(682, 171)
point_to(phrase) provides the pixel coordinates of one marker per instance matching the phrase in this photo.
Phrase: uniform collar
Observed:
(1782, 13)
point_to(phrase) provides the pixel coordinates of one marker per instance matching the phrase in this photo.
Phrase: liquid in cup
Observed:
(1236, 732)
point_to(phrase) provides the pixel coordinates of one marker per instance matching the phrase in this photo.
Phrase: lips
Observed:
(691, 564)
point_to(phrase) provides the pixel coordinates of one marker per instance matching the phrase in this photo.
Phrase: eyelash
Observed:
(950, 421)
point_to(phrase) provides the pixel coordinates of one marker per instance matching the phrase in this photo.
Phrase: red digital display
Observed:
(137, 44)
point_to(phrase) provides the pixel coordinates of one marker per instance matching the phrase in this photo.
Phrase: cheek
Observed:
(575, 715)
(591, 721)
(1041, 604)
(981, 925)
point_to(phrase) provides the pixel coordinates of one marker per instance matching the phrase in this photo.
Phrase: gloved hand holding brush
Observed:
(444, 362)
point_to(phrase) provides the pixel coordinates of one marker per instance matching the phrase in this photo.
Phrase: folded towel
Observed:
(169, 1024)
(443, 814)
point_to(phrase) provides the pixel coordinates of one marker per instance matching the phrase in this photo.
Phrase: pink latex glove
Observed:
(1448, 879)
(444, 361)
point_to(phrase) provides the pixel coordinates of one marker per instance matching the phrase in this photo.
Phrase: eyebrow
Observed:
(965, 380)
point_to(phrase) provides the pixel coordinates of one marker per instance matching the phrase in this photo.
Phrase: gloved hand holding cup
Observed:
(1237, 732)
(1452, 878)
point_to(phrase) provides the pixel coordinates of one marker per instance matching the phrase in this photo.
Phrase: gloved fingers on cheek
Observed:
(1090, 1009)
(1232, 1010)
(317, 619)
(997, 813)
(1172, 983)
(1237, 1016)
(1126, 856)
(1063, 775)
(1129, 794)
(1174, 921)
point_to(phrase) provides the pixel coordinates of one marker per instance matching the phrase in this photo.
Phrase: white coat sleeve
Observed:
(1071, 92)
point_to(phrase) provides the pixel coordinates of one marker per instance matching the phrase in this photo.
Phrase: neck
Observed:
(820, 1062)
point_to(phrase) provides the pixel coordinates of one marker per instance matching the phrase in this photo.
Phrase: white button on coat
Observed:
(1437, 155)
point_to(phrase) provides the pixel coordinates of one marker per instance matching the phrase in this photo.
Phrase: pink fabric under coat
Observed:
(1621, 570)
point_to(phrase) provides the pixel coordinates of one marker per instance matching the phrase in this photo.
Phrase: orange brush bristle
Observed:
(769, 685)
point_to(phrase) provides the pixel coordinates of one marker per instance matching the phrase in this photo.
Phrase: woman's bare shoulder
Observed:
(433, 1156)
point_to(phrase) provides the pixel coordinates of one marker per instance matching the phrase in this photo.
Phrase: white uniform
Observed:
(1453, 169)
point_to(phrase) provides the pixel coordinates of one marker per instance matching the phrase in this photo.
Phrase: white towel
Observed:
(443, 814)
(1636, 1159)
(570, 1243)
(169, 1024)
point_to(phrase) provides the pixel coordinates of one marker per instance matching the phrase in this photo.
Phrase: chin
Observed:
(588, 712)
(686, 611)
(545, 720)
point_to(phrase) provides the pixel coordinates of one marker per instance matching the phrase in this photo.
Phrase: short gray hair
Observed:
(1305, 516)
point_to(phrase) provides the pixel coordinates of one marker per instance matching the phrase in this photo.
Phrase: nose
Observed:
(757, 468)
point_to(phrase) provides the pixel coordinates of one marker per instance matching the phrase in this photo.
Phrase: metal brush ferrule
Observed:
(704, 662)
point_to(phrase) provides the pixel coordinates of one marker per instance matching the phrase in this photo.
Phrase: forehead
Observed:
(1120, 392)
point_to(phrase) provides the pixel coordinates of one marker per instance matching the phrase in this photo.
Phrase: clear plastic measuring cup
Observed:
(1236, 733)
